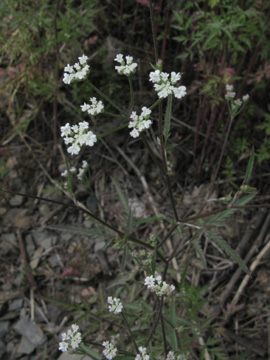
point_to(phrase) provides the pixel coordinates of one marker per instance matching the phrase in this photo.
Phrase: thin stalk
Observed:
(111, 114)
(156, 103)
(92, 86)
(130, 333)
(167, 236)
(164, 336)
(153, 30)
(155, 322)
(161, 139)
(167, 179)
(112, 131)
(131, 93)
(152, 154)
(120, 233)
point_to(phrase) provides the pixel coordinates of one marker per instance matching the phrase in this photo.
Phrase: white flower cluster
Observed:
(127, 67)
(77, 136)
(165, 86)
(115, 305)
(95, 108)
(139, 122)
(143, 355)
(157, 286)
(77, 71)
(171, 356)
(71, 339)
(73, 170)
(110, 350)
(235, 104)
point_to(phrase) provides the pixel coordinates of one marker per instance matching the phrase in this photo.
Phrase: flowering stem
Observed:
(153, 30)
(152, 154)
(156, 103)
(130, 333)
(112, 131)
(110, 114)
(167, 179)
(155, 323)
(164, 336)
(131, 93)
(92, 86)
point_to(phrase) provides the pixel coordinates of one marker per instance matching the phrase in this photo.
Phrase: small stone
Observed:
(15, 305)
(36, 257)
(44, 209)
(54, 260)
(25, 346)
(99, 245)
(4, 326)
(2, 211)
(16, 200)
(2, 348)
(30, 331)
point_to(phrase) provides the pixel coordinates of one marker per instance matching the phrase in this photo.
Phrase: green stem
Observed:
(120, 233)
(151, 152)
(155, 322)
(130, 333)
(112, 131)
(164, 336)
(111, 114)
(131, 93)
(156, 103)
(92, 86)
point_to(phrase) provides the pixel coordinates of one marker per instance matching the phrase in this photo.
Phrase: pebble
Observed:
(4, 326)
(16, 200)
(44, 209)
(25, 346)
(99, 245)
(2, 348)
(15, 305)
(30, 331)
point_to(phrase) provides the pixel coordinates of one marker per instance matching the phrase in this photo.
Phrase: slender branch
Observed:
(130, 333)
(167, 236)
(112, 131)
(153, 30)
(155, 322)
(131, 93)
(164, 336)
(92, 86)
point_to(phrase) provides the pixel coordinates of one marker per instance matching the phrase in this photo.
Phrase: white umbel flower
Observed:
(110, 350)
(139, 122)
(127, 67)
(164, 84)
(71, 339)
(78, 71)
(77, 136)
(157, 286)
(95, 108)
(115, 305)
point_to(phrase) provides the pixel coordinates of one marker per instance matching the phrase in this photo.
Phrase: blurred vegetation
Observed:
(211, 43)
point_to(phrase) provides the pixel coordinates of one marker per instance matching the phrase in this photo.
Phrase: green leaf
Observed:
(249, 167)
(167, 123)
(226, 247)
(90, 352)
